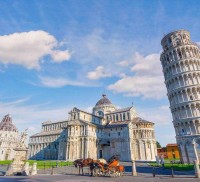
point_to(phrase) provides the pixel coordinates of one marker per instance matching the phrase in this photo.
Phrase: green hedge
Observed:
(177, 167)
(42, 164)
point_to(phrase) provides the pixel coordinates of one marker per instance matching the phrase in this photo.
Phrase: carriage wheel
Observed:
(100, 172)
(94, 172)
(112, 172)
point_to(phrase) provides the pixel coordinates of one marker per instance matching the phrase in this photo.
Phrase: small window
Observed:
(117, 117)
(100, 113)
(118, 133)
(128, 115)
(191, 98)
(124, 117)
(108, 134)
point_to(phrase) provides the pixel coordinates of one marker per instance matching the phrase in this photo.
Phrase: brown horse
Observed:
(78, 163)
(83, 163)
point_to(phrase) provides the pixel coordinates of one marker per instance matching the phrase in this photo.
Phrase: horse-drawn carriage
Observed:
(100, 168)
(112, 169)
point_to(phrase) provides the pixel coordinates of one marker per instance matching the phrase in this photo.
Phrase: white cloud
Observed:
(31, 116)
(59, 56)
(97, 48)
(123, 63)
(58, 82)
(159, 115)
(146, 81)
(147, 65)
(28, 48)
(145, 86)
(98, 73)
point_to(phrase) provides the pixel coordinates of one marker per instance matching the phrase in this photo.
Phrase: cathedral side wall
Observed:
(118, 143)
(142, 142)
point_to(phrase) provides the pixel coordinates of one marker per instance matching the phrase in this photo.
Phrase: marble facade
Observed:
(9, 138)
(180, 60)
(105, 132)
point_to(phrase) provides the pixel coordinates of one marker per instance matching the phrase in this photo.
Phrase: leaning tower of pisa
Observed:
(181, 67)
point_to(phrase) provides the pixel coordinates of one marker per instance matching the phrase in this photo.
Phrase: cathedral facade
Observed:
(105, 132)
(9, 138)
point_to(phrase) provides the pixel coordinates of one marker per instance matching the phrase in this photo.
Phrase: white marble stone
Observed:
(105, 132)
(9, 138)
(180, 60)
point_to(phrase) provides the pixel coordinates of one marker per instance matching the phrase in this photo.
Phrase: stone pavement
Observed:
(70, 173)
(73, 178)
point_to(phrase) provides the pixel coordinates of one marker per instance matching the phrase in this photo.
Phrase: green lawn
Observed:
(5, 162)
(42, 164)
(50, 164)
(177, 167)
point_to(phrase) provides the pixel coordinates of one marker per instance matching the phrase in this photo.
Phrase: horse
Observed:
(78, 163)
(83, 163)
(94, 164)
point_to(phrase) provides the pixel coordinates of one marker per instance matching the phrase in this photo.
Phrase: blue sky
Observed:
(55, 55)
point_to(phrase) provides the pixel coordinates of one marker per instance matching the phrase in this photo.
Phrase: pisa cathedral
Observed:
(105, 132)
(181, 67)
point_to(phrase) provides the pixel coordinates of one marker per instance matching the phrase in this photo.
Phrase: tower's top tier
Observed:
(175, 38)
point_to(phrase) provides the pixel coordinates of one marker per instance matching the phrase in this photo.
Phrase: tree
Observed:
(158, 145)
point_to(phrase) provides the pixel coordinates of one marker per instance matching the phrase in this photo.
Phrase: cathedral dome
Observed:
(103, 106)
(103, 101)
(7, 125)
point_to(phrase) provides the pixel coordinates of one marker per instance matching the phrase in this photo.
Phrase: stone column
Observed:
(25, 171)
(134, 172)
(195, 151)
(145, 149)
(196, 168)
(86, 148)
(67, 151)
(195, 129)
(34, 169)
(140, 151)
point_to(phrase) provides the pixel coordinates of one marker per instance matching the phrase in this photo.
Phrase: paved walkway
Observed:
(70, 173)
(72, 178)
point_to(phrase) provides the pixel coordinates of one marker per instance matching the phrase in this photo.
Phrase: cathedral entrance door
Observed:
(6, 158)
(100, 154)
(7, 154)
